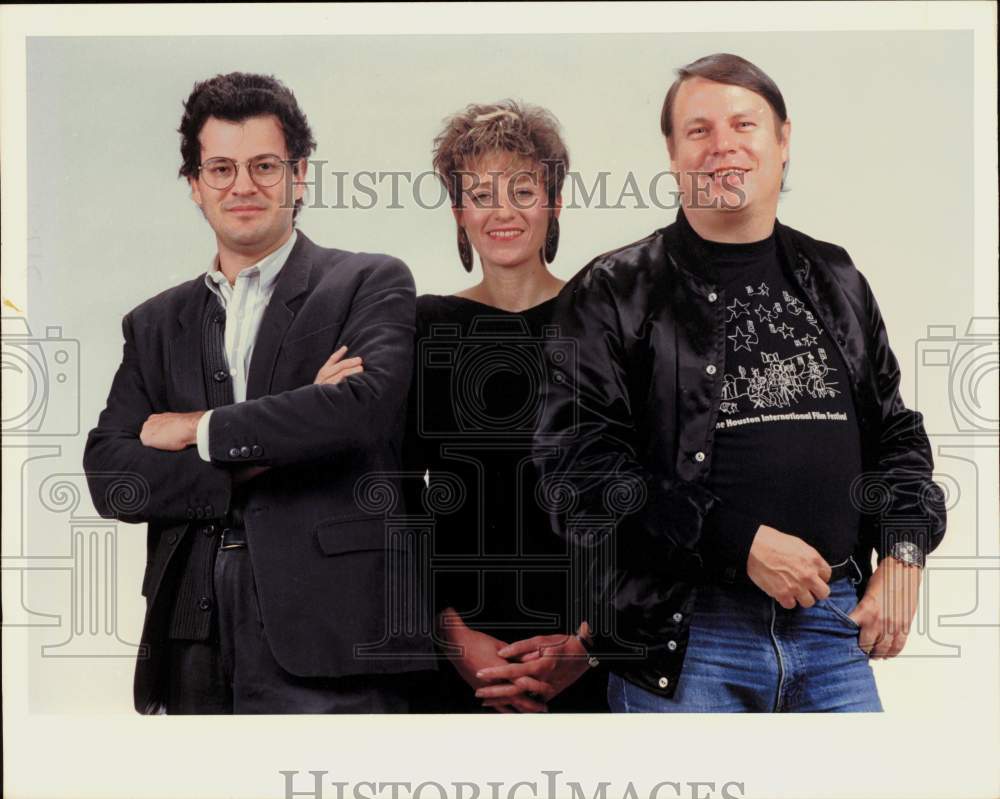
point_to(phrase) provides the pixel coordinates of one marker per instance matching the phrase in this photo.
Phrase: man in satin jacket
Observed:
(732, 448)
(271, 575)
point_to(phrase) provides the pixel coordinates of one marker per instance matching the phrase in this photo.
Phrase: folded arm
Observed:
(136, 483)
(315, 421)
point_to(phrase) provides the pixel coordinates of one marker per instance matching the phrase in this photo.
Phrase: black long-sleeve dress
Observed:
(474, 401)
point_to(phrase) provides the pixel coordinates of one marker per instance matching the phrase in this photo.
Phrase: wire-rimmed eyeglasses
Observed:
(264, 170)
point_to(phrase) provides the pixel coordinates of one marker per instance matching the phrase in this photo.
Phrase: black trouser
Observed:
(235, 671)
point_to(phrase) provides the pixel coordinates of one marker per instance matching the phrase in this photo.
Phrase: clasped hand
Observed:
(520, 677)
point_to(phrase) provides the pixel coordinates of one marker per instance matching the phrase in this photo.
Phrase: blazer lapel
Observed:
(291, 284)
(185, 367)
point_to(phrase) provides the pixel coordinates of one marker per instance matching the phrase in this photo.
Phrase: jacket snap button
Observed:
(671, 645)
(699, 456)
(713, 297)
(663, 682)
(678, 617)
(710, 369)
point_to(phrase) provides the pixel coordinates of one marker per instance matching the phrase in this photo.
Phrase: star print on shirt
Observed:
(783, 329)
(741, 340)
(737, 309)
(763, 290)
(808, 340)
(766, 314)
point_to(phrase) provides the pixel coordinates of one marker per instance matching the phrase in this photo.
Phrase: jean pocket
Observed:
(832, 606)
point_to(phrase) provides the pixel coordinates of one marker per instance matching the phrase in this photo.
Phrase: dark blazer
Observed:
(328, 565)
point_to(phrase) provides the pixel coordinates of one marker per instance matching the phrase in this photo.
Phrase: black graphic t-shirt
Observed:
(787, 443)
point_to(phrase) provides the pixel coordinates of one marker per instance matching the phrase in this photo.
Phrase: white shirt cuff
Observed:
(202, 433)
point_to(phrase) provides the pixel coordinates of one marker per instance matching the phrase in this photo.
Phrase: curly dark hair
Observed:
(523, 130)
(236, 97)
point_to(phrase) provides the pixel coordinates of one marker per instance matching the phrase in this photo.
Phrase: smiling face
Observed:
(249, 221)
(727, 152)
(505, 211)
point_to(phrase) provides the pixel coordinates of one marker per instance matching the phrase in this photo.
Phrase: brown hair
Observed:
(522, 130)
(730, 69)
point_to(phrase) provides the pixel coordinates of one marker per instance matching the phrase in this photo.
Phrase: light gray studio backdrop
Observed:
(882, 135)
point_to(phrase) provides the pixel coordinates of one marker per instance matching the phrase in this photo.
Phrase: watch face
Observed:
(908, 552)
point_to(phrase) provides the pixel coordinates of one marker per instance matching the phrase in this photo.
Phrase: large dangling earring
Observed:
(551, 240)
(464, 249)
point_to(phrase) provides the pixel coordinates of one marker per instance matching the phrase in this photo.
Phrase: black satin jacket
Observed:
(624, 446)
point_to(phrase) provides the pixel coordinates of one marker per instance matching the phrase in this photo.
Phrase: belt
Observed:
(233, 538)
(847, 568)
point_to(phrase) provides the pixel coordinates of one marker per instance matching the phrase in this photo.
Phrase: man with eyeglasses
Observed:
(271, 587)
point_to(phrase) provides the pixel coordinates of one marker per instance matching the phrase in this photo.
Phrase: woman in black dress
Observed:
(501, 577)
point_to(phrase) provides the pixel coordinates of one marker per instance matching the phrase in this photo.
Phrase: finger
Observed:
(883, 646)
(818, 588)
(341, 376)
(522, 647)
(337, 354)
(533, 686)
(511, 672)
(868, 638)
(805, 598)
(824, 571)
(328, 371)
(504, 708)
(503, 691)
(787, 602)
(531, 656)
(898, 642)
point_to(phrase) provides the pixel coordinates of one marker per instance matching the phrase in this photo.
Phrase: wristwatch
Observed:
(909, 553)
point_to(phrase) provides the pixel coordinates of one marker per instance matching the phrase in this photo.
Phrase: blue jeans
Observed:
(746, 653)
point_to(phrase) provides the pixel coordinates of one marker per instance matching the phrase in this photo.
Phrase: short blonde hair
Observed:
(525, 131)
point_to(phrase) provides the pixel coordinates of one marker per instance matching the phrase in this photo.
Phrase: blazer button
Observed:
(234, 452)
(208, 529)
(190, 513)
(221, 376)
(208, 510)
(257, 450)
(204, 603)
(244, 452)
(199, 512)
(663, 682)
